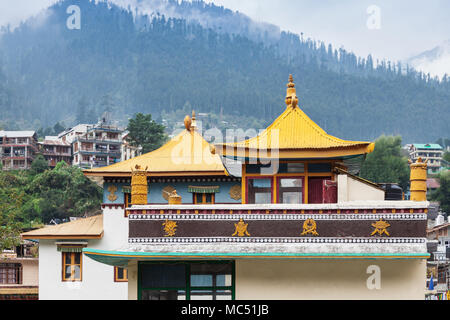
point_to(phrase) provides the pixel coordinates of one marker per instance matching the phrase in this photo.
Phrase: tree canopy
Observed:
(38, 195)
(386, 164)
(442, 194)
(145, 132)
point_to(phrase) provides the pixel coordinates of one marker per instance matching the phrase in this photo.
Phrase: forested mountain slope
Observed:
(124, 62)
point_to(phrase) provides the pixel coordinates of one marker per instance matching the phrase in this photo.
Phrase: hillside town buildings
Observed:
(85, 146)
(438, 265)
(55, 150)
(17, 149)
(434, 153)
(293, 222)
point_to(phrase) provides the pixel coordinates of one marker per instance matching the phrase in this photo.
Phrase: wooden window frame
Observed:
(116, 275)
(253, 177)
(213, 198)
(17, 268)
(278, 187)
(72, 260)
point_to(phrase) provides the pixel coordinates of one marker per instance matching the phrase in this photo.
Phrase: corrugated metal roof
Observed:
(86, 228)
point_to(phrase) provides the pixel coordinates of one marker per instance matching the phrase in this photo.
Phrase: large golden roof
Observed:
(185, 154)
(293, 135)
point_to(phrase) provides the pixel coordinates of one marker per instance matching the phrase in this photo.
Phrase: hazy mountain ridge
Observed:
(435, 61)
(124, 62)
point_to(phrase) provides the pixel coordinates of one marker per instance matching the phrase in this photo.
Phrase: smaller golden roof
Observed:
(85, 228)
(293, 135)
(187, 154)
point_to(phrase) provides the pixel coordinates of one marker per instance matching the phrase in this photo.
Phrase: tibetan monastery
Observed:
(295, 223)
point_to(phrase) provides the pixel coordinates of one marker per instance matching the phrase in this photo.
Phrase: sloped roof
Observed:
(17, 134)
(86, 228)
(293, 132)
(185, 154)
(427, 146)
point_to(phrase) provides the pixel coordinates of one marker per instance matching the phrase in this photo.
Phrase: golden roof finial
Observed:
(187, 123)
(291, 96)
(291, 83)
(194, 123)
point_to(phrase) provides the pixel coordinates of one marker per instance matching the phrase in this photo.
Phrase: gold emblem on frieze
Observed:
(170, 228)
(380, 228)
(309, 227)
(112, 196)
(241, 229)
(236, 192)
(167, 191)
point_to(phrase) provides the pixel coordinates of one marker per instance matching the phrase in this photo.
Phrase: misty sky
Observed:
(407, 27)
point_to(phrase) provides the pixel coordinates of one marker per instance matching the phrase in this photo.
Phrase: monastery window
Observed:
(127, 199)
(259, 190)
(186, 281)
(72, 266)
(204, 198)
(10, 273)
(290, 190)
(120, 274)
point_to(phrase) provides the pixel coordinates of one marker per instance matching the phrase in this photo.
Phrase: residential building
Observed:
(17, 149)
(19, 272)
(55, 150)
(295, 222)
(127, 150)
(438, 264)
(98, 147)
(432, 152)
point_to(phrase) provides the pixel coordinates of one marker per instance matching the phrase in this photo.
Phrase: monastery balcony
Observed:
(366, 225)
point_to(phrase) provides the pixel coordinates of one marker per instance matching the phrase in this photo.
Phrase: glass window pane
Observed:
(290, 190)
(163, 295)
(163, 275)
(259, 191)
(201, 280)
(223, 295)
(208, 198)
(223, 280)
(199, 197)
(262, 183)
(67, 258)
(211, 268)
(202, 295)
(68, 273)
(77, 272)
(263, 198)
(295, 167)
(120, 273)
(77, 257)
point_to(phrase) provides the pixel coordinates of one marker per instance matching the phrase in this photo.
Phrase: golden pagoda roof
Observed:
(185, 154)
(86, 228)
(293, 135)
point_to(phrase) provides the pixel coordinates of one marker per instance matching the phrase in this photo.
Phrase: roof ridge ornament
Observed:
(291, 95)
(194, 122)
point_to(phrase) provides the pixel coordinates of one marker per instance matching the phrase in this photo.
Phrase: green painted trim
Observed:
(98, 255)
(69, 249)
(203, 189)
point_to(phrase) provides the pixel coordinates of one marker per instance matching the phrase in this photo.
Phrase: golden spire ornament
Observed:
(291, 96)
